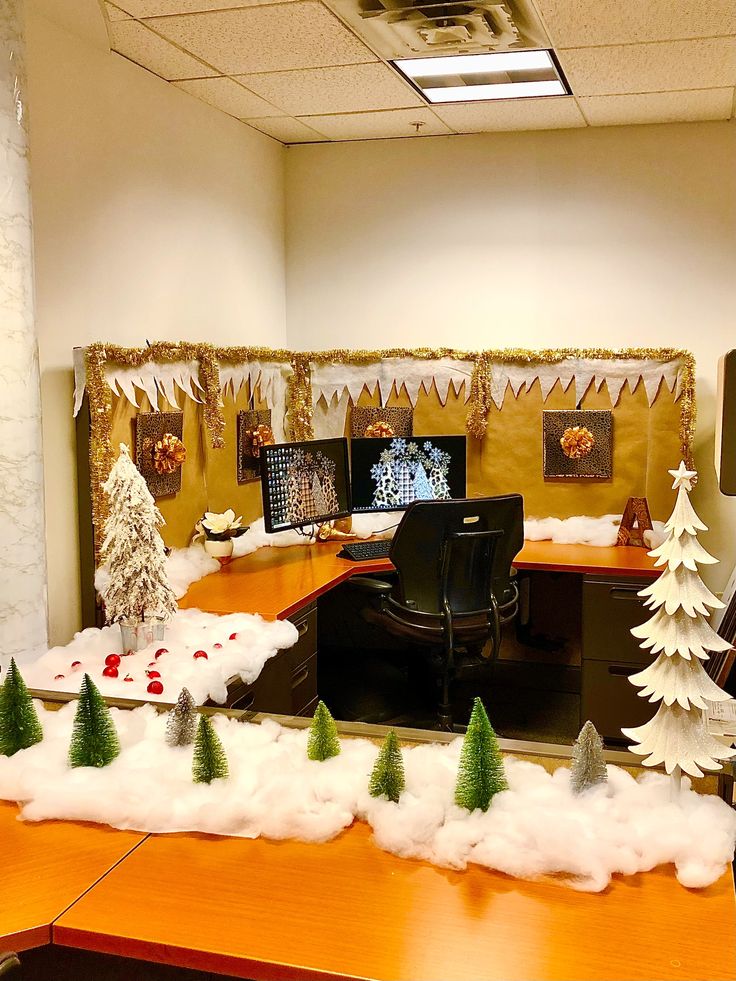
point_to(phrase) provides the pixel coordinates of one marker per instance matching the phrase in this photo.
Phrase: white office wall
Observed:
(155, 217)
(608, 237)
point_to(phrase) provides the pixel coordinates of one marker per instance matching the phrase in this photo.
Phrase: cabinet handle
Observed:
(245, 702)
(299, 677)
(623, 670)
(303, 628)
(625, 592)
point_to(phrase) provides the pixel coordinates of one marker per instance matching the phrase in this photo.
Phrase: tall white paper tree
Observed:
(680, 634)
(138, 586)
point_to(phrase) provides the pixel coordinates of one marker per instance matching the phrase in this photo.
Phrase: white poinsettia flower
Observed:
(217, 524)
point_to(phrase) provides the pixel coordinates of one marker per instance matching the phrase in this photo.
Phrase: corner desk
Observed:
(285, 583)
(289, 911)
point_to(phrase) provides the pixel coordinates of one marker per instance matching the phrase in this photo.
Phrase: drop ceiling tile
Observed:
(658, 67)
(264, 39)
(512, 114)
(579, 23)
(351, 88)
(379, 125)
(156, 8)
(115, 13)
(225, 94)
(286, 130)
(135, 41)
(657, 107)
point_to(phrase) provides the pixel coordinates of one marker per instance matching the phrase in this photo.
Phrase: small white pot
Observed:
(221, 551)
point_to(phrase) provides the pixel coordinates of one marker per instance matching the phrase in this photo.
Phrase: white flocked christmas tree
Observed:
(138, 587)
(679, 633)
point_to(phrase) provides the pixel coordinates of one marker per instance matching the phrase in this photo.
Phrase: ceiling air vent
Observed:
(409, 28)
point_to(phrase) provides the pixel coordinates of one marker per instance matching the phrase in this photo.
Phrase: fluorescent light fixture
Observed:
(485, 77)
(485, 93)
(506, 61)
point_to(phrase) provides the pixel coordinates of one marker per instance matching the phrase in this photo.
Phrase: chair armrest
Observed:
(369, 585)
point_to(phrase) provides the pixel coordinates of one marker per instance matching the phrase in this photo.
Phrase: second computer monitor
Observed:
(389, 474)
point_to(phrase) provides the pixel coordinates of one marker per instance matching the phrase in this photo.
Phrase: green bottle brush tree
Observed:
(481, 772)
(19, 725)
(387, 778)
(94, 737)
(323, 740)
(210, 761)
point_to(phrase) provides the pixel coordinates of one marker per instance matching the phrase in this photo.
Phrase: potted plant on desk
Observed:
(218, 531)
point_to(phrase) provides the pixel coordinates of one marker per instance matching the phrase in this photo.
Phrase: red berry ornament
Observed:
(159, 652)
(127, 678)
(233, 636)
(76, 664)
(218, 647)
(58, 677)
(110, 671)
(112, 660)
(153, 674)
(198, 654)
(155, 688)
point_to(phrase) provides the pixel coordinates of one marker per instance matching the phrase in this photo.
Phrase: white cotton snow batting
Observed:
(255, 641)
(536, 828)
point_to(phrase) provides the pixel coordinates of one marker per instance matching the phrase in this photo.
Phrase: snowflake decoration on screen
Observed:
(405, 473)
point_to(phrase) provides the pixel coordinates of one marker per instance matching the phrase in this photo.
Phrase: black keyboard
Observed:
(361, 551)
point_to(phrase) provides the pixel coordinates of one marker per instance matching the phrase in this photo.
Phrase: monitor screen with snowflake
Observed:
(389, 474)
(304, 483)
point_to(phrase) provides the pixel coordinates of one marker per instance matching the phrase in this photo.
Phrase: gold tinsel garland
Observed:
(300, 406)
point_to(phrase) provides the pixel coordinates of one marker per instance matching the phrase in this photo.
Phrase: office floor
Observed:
(539, 702)
(532, 692)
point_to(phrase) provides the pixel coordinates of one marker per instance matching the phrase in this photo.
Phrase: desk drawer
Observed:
(270, 692)
(303, 685)
(308, 710)
(609, 699)
(610, 610)
(306, 624)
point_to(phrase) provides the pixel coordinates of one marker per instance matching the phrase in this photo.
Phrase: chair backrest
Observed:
(422, 539)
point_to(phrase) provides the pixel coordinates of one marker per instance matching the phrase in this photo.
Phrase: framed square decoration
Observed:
(159, 450)
(371, 420)
(254, 431)
(577, 443)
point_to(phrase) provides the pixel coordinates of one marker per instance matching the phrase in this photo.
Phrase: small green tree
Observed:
(588, 766)
(387, 777)
(94, 738)
(19, 725)
(180, 724)
(481, 773)
(210, 762)
(323, 741)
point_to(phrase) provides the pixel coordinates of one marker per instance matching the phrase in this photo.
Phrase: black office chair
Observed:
(454, 585)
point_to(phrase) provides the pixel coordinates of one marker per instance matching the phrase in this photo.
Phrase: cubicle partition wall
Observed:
(503, 401)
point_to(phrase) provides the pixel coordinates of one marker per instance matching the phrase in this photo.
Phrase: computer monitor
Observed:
(389, 474)
(304, 483)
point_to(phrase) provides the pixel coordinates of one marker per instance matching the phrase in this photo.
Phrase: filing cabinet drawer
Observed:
(306, 624)
(610, 610)
(303, 686)
(609, 699)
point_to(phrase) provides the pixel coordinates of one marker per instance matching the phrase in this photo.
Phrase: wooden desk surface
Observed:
(284, 910)
(45, 868)
(277, 582)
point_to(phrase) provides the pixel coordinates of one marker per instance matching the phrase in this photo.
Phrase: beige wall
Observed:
(155, 217)
(605, 237)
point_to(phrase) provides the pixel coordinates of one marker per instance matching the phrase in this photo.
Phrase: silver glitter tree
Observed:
(588, 767)
(180, 726)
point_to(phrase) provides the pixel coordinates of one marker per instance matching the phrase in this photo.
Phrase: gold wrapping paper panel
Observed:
(508, 459)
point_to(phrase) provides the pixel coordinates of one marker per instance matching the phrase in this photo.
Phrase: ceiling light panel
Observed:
(485, 77)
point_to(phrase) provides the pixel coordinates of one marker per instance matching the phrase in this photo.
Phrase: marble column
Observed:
(23, 604)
